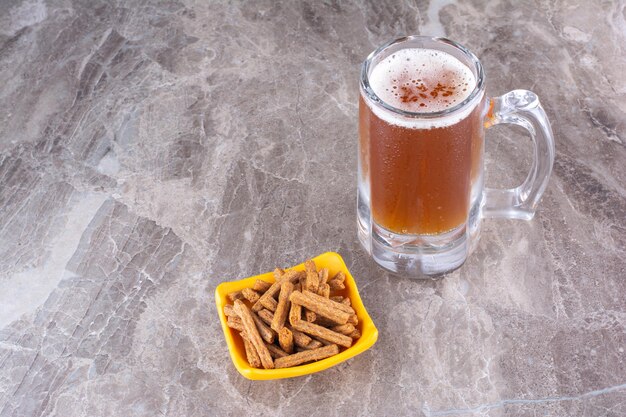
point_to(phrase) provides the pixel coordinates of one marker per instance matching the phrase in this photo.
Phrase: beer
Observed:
(420, 170)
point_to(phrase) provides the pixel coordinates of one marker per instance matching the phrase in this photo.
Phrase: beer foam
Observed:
(421, 81)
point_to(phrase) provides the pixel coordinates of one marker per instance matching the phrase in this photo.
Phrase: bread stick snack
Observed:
(321, 305)
(337, 282)
(273, 290)
(282, 309)
(266, 315)
(268, 303)
(307, 356)
(229, 311)
(336, 285)
(251, 355)
(250, 295)
(323, 333)
(236, 295)
(299, 338)
(266, 333)
(295, 313)
(275, 351)
(314, 345)
(253, 335)
(310, 316)
(323, 274)
(312, 279)
(346, 329)
(234, 323)
(324, 290)
(261, 286)
(285, 339)
(299, 318)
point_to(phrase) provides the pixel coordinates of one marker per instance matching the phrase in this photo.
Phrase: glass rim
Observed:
(365, 85)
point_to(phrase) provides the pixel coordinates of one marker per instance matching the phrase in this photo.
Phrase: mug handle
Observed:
(522, 108)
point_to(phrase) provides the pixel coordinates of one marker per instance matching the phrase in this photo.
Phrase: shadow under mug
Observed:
(421, 194)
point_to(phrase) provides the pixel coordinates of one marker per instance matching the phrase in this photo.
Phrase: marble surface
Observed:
(150, 150)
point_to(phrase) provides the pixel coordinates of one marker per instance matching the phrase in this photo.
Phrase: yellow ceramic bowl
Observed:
(334, 263)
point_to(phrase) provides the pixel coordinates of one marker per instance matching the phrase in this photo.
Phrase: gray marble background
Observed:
(150, 150)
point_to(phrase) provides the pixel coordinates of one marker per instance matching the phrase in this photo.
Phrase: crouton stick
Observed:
(346, 329)
(278, 274)
(342, 300)
(266, 316)
(323, 274)
(276, 352)
(336, 285)
(282, 309)
(312, 279)
(320, 305)
(328, 302)
(310, 316)
(261, 286)
(234, 323)
(229, 311)
(268, 295)
(314, 345)
(266, 333)
(307, 356)
(324, 290)
(268, 303)
(235, 295)
(323, 333)
(295, 313)
(355, 334)
(250, 295)
(299, 338)
(323, 321)
(285, 339)
(251, 354)
(253, 334)
(340, 276)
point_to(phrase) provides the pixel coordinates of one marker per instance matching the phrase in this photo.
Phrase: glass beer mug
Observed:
(422, 120)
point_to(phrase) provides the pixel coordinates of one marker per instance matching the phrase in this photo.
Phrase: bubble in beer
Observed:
(422, 80)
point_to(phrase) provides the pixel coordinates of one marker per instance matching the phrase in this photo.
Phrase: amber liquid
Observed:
(420, 179)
